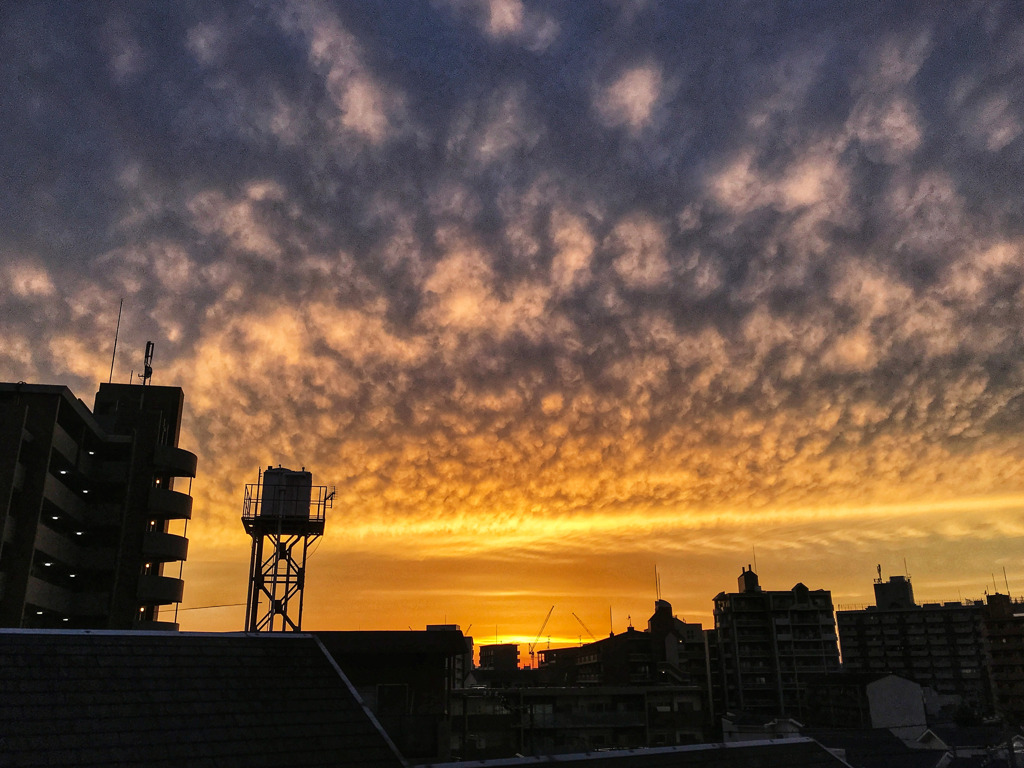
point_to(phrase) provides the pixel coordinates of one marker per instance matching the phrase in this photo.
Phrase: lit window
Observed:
(85, 491)
(39, 613)
(72, 575)
(55, 517)
(63, 471)
(47, 564)
(78, 533)
(91, 453)
(64, 619)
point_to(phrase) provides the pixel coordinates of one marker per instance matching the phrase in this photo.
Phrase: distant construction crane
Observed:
(585, 627)
(540, 632)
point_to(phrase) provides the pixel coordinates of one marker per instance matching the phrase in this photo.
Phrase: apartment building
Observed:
(93, 506)
(768, 644)
(1003, 630)
(938, 645)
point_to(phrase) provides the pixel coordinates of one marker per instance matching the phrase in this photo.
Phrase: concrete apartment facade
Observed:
(769, 643)
(1004, 656)
(89, 508)
(938, 645)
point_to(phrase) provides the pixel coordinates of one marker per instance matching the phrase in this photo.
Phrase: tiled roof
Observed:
(151, 699)
(874, 748)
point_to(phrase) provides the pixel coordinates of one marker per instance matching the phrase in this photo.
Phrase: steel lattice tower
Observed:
(283, 513)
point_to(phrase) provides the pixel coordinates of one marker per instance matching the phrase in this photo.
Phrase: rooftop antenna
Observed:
(116, 331)
(755, 558)
(657, 583)
(879, 569)
(1006, 581)
(147, 370)
(905, 569)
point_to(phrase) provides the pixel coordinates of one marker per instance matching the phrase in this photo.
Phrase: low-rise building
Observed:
(492, 723)
(407, 680)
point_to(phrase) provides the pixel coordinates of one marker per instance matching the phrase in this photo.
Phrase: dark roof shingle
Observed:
(133, 699)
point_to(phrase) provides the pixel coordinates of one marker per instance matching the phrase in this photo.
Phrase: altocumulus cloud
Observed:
(499, 266)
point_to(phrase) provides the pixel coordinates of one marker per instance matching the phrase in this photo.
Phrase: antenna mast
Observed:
(147, 368)
(116, 331)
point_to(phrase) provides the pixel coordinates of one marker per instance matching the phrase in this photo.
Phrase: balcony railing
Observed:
(60, 600)
(169, 505)
(161, 547)
(159, 590)
(174, 461)
(301, 510)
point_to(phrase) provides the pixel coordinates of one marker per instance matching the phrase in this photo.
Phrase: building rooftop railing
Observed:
(304, 508)
(962, 603)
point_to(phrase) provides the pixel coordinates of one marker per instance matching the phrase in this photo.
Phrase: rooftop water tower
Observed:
(283, 512)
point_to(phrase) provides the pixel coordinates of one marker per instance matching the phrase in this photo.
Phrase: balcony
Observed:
(176, 462)
(65, 444)
(57, 493)
(169, 505)
(159, 590)
(66, 550)
(109, 472)
(59, 600)
(160, 547)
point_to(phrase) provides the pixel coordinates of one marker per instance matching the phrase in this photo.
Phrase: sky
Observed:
(555, 294)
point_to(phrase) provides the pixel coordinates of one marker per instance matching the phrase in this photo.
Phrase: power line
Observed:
(222, 605)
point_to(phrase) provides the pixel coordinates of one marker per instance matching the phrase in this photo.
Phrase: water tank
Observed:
(286, 493)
